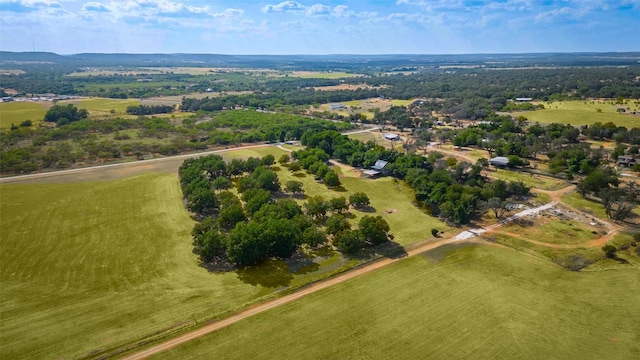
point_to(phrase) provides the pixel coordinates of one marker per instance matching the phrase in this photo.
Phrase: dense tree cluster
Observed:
(25, 149)
(64, 114)
(149, 109)
(255, 226)
(315, 162)
(451, 191)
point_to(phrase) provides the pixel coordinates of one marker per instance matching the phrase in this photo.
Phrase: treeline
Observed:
(248, 229)
(448, 189)
(505, 136)
(149, 109)
(25, 149)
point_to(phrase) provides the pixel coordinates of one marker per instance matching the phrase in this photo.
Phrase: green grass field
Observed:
(17, 112)
(103, 106)
(559, 231)
(91, 266)
(473, 302)
(322, 75)
(540, 182)
(579, 113)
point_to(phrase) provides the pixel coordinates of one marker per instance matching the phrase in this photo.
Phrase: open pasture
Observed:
(98, 107)
(176, 100)
(365, 107)
(458, 301)
(150, 71)
(17, 112)
(548, 229)
(347, 87)
(536, 181)
(586, 112)
(88, 267)
(323, 74)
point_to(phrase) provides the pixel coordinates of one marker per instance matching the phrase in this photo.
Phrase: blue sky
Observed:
(320, 26)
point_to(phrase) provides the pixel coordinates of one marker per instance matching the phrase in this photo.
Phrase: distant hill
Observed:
(320, 62)
(45, 57)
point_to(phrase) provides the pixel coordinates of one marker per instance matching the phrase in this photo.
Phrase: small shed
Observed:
(392, 137)
(337, 106)
(523, 99)
(379, 165)
(499, 161)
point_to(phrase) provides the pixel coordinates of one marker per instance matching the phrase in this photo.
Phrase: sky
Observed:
(320, 26)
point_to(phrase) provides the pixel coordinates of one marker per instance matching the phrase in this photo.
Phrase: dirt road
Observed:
(351, 274)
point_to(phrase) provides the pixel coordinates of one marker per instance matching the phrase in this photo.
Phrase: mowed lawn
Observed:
(473, 302)
(91, 266)
(17, 112)
(579, 113)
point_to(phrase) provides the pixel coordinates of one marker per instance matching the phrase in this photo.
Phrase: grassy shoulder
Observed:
(471, 301)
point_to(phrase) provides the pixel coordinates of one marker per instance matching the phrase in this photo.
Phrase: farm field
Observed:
(77, 277)
(17, 112)
(103, 106)
(347, 87)
(161, 70)
(176, 100)
(579, 113)
(323, 75)
(465, 301)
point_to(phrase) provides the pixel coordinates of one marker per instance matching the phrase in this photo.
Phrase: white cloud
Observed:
(318, 9)
(229, 13)
(284, 6)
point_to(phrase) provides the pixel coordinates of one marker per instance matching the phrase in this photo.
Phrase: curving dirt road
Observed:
(357, 272)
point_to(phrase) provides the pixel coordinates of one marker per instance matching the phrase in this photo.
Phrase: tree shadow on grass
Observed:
(339, 188)
(389, 249)
(271, 273)
(218, 265)
(367, 209)
(299, 174)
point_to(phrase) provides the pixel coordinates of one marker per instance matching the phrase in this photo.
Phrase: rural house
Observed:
(337, 106)
(499, 161)
(392, 137)
(377, 169)
(626, 160)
